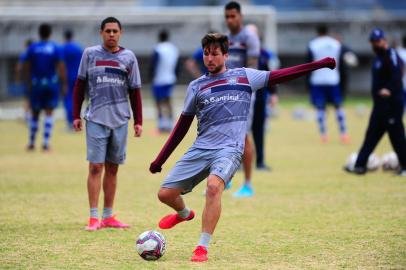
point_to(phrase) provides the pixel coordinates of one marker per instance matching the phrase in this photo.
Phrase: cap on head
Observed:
(376, 34)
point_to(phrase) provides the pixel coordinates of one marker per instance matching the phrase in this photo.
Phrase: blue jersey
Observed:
(387, 73)
(198, 57)
(72, 54)
(43, 57)
(221, 104)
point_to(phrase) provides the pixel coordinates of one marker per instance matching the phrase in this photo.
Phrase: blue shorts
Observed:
(162, 91)
(44, 97)
(106, 144)
(197, 164)
(322, 94)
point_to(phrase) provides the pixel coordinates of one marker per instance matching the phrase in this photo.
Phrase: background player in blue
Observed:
(325, 84)
(21, 83)
(195, 64)
(46, 73)
(244, 52)
(387, 110)
(72, 53)
(164, 71)
(221, 101)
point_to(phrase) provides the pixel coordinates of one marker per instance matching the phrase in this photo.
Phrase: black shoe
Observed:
(46, 148)
(401, 172)
(30, 148)
(355, 170)
(263, 167)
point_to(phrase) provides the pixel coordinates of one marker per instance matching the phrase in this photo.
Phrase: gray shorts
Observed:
(197, 164)
(106, 144)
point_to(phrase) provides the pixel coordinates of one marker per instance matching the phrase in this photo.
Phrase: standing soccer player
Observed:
(45, 73)
(163, 72)
(387, 110)
(72, 54)
(221, 102)
(109, 75)
(244, 52)
(325, 84)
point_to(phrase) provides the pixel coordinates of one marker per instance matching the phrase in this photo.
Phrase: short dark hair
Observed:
(322, 29)
(68, 34)
(163, 35)
(109, 20)
(44, 30)
(217, 39)
(404, 41)
(233, 5)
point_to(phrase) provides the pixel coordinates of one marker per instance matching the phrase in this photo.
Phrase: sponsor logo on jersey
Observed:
(227, 97)
(106, 79)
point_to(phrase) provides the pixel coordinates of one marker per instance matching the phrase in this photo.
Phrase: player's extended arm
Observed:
(288, 74)
(177, 135)
(136, 105)
(78, 97)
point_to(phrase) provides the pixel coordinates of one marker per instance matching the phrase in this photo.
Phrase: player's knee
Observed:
(95, 169)
(213, 190)
(165, 196)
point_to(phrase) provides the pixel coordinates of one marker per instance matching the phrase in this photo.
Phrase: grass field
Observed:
(306, 214)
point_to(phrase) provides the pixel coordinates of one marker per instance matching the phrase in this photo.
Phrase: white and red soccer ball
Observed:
(390, 162)
(151, 245)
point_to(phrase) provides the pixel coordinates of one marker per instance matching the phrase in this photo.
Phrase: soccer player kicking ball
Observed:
(220, 100)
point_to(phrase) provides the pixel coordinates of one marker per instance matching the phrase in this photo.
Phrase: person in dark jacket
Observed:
(387, 110)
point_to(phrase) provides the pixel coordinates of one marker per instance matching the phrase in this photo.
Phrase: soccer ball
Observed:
(390, 161)
(151, 245)
(372, 164)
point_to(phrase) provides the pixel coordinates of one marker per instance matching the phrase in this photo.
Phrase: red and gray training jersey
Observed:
(108, 78)
(221, 104)
(241, 46)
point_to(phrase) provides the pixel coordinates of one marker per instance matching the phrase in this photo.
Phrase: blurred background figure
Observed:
(45, 72)
(164, 70)
(325, 84)
(347, 60)
(21, 83)
(387, 110)
(244, 50)
(267, 60)
(402, 53)
(72, 53)
(195, 65)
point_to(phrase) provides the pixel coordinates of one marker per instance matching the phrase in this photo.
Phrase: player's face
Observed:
(233, 19)
(214, 59)
(379, 46)
(111, 36)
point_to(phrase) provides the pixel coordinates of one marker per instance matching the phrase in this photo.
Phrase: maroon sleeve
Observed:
(136, 105)
(78, 97)
(178, 133)
(288, 74)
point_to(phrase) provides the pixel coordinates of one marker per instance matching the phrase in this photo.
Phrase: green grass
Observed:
(306, 214)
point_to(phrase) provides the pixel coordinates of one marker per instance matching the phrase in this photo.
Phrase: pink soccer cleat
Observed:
(112, 222)
(199, 254)
(93, 224)
(171, 220)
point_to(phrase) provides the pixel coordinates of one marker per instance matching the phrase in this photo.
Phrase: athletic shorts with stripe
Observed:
(197, 164)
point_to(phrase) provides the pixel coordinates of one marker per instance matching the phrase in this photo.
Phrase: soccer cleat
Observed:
(93, 224)
(199, 254)
(345, 139)
(263, 167)
(46, 148)
(112, 222)
(244, 191)
(324, 138)
(171, 220)
(30, 148)
(355, 170)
